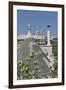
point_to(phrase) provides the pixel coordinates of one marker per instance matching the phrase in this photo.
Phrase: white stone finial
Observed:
(29, 35)
(29, 26)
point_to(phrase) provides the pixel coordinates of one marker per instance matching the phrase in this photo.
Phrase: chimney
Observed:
(48, 38)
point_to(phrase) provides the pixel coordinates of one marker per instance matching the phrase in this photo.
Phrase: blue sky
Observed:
(38, 20)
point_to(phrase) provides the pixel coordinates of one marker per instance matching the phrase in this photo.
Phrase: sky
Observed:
(38, 20)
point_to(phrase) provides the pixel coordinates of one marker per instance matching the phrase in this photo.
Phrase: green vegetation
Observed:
(27, 71)
(23, 69)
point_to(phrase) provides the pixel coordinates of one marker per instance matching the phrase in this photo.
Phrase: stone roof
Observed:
(23, 51)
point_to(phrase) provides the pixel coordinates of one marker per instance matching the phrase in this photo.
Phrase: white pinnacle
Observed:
(29, 35)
